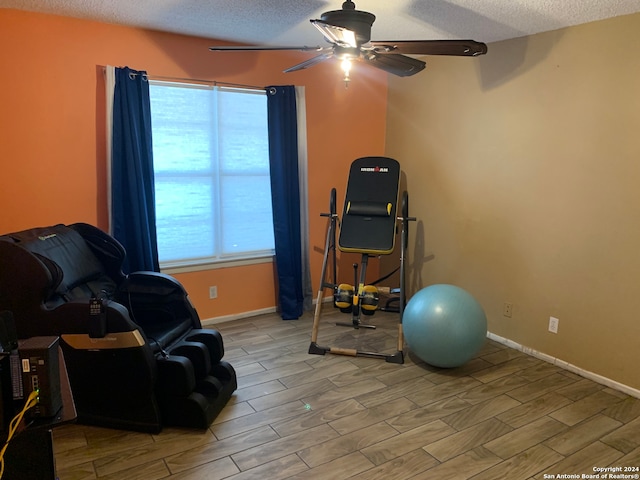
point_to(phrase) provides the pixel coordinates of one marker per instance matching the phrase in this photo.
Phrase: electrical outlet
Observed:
(507, 309)
(213, 292)
(553, 324)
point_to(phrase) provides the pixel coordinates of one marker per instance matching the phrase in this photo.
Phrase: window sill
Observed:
(198, 267)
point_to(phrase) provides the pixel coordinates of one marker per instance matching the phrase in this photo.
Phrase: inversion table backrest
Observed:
(369, 214)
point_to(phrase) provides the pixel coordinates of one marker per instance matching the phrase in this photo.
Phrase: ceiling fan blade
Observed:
(341, 36)
(463, 48)
(396, 64)
(251, 48)
(311, 62)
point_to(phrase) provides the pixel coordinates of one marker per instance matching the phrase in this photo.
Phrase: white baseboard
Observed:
(237, 316)
(566, 365)
(252, 313)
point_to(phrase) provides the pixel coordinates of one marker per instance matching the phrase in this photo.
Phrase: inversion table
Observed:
(368, 227)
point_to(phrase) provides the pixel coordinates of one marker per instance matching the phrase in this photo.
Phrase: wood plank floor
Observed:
(300, 416)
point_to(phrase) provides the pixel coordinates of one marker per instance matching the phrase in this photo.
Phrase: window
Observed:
(211, 163)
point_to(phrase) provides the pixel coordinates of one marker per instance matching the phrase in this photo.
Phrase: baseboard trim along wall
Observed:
(253, 313)
(237, 316)
(566, 365)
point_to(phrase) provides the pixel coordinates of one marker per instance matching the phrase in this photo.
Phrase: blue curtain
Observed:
(132, 186)
(285, 197)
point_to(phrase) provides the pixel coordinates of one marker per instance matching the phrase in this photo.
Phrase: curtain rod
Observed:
(215, 83)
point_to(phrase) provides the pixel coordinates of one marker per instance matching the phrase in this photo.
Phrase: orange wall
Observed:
(52, 140)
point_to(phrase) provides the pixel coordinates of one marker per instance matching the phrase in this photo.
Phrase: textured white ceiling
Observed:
(286, 22)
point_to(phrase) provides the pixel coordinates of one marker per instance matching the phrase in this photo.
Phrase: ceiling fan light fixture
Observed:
(357, 21)
(346, 57)
(346, 68)
(335, 34)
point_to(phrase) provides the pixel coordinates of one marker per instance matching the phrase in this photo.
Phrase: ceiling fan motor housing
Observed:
(357, 21)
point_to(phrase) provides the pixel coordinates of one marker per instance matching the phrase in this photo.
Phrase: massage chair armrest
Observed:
(144, 293)
(152, 282)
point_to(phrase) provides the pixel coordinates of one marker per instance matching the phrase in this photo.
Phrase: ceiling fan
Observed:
(349, 32)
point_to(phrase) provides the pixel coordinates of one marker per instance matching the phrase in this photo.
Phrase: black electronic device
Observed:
(36, 365)
(40, 370)
(8, 343)
(6, 393)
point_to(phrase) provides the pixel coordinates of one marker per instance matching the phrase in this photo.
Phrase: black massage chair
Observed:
(135, 350)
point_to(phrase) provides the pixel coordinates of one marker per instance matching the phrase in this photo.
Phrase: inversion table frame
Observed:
(360, 204)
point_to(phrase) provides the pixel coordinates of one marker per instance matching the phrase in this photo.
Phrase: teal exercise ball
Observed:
(444, 325)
